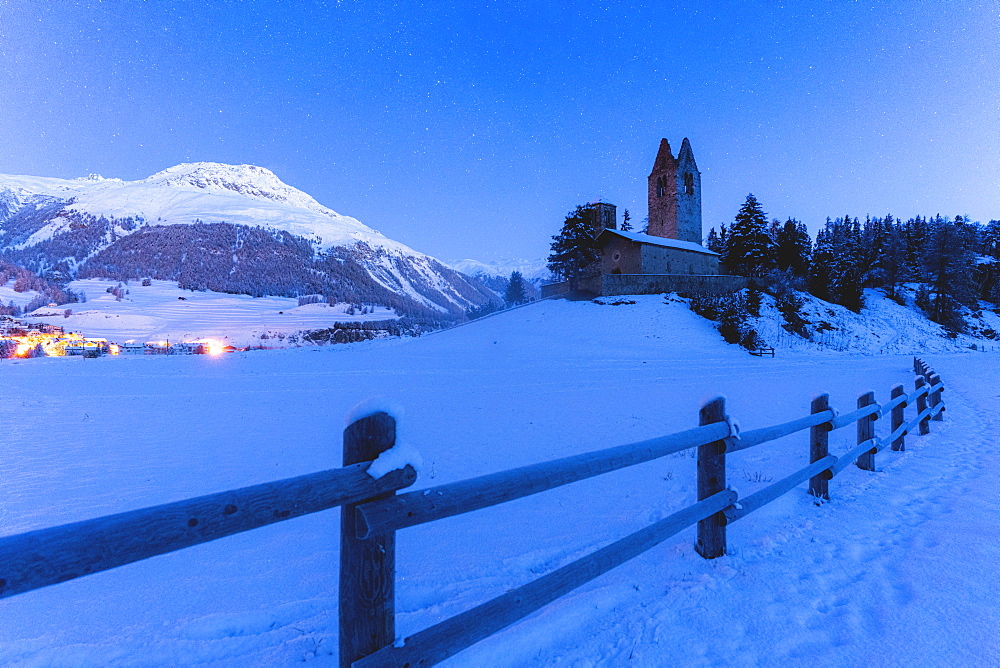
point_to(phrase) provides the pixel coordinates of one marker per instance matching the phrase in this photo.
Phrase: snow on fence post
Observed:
(925, 427)
(819, 447)
(866, 432)
(936, 397)
(367, 567)
(898, 418)
(711, 541)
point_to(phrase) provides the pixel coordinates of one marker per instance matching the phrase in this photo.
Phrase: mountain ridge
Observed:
(78, 227)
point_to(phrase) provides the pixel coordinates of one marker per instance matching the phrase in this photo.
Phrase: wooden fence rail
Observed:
(57, 554)
(372, 513)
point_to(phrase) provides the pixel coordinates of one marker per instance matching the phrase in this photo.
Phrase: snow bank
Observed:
(397, 457)
(374, 405)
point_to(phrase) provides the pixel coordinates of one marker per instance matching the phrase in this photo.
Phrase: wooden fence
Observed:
(372, 513)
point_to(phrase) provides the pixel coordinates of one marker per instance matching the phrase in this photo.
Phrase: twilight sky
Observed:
(470, 128)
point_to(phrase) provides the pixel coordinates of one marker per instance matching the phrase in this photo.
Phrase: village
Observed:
(21, 339)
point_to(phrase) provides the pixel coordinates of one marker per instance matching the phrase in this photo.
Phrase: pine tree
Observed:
(873, 242)
(8, 348)
(822, 268)
(893, 256)
(626, 222)
(574, 252)
(712, 242)
(749, 249)
(717, 242)
(850, 267)
(515, 290)
(948, 261)
(792, 247)
(916, 233)
(990, 239)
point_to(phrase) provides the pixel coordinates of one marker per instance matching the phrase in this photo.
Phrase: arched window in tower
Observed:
(659, 187)
(689, 183)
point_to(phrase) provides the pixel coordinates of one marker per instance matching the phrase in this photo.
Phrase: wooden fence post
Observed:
(367, 567)
(936, 397)
(711, 542)
(866, 431)
(897, 418)
(819, 447)
(916, 366)
(919, 382)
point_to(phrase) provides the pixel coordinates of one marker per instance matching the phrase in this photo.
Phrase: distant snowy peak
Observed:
(247, 180)
(532, 270)
(209, 192)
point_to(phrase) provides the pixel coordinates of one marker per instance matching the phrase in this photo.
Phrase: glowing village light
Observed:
(214, 347)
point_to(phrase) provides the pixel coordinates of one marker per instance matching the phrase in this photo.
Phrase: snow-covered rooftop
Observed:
(660, 241)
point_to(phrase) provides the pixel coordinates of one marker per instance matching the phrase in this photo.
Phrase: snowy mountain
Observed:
(232, 228)
(496, 275)
(534, 271)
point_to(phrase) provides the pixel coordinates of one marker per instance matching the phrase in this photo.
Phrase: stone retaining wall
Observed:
(650, 284)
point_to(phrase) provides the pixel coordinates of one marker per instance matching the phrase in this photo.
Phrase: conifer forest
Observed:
(953, 262)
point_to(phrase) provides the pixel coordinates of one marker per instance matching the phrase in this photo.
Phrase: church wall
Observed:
(621, 256)
(660, 260)
(610, 285)
(641, 284)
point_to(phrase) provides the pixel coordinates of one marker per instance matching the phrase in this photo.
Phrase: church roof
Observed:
(686, 155)
(664, 158)
(640, 238)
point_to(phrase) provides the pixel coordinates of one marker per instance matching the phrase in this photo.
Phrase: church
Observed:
(669, 256)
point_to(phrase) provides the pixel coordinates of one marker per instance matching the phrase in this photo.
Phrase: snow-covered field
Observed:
(9, 296)
(900, 568)
(162, 311)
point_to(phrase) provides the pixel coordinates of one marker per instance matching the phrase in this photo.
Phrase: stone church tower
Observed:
(675, 195)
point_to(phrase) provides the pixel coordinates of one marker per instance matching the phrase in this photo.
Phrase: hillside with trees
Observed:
(21, 280)
(950, 264)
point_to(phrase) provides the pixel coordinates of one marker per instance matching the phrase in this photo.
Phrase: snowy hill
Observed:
(234, 228)
(801, 585)
(883, 327)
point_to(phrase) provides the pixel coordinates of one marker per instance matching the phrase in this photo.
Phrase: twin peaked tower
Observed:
(675, 195)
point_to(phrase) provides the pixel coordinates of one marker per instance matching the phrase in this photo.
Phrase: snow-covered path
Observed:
(890, 572)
